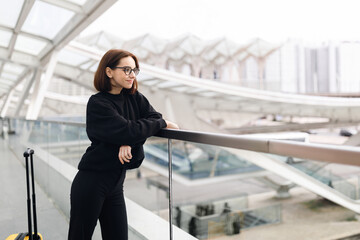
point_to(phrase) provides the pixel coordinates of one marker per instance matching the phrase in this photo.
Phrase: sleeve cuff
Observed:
(163, 123)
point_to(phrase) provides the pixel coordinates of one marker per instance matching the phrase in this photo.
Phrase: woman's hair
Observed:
(111, 59)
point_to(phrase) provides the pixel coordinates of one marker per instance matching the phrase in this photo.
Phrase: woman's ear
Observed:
(108, 72)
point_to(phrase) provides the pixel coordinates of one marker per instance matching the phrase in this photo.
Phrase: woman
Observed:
(118, 121)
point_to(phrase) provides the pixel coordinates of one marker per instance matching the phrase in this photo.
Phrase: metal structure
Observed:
(44, 73)
(188, 53)
(32, 33)
(200, 102)
(206, 100)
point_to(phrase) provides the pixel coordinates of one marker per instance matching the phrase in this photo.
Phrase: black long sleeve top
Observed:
(116, 120)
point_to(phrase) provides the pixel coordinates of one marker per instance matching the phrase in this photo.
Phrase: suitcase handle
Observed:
(27, 153)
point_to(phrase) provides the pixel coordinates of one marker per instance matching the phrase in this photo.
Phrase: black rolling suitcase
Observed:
(35, 235)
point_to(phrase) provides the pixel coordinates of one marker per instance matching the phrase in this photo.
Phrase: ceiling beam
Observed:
(6, 82)
(86, 51)
(40, 88)
(31, 35)
(66, 5)
(82, 100)
(4, 89)
(62, 40)
(26, 90)
(27, 6)
(25, 59)
(6, 104)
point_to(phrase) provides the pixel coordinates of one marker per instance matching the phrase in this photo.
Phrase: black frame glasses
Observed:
(127, 70)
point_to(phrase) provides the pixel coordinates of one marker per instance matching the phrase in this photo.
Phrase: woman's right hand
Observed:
(124, 154)
(171, 125)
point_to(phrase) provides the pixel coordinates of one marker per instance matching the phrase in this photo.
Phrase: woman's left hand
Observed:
(171, 125)
(125, 154)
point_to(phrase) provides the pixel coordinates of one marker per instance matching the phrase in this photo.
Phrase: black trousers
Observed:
(98, 195)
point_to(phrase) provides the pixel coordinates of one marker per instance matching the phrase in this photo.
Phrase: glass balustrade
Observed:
(319, 171)
(211, 185)
(197, 161)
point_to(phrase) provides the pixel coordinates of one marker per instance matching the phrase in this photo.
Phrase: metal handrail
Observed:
(320, 152)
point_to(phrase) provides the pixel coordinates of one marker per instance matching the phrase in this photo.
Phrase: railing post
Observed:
(10, 131)
(2, 126)
(170, 188)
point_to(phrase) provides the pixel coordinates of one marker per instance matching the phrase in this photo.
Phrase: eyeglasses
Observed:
(128, 70)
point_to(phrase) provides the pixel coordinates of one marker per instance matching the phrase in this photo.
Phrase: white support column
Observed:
(332, 68)
(26, 90)
(196, 66)
(241, 72)
(7, 103)
(40, 88)
(34, 94)
(261, 68)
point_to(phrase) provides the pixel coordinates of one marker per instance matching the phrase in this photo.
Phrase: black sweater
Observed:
(116, 120)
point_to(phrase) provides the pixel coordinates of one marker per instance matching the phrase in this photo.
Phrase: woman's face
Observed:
(118, 78)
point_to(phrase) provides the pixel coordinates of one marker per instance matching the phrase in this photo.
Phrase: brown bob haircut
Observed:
(111, 59)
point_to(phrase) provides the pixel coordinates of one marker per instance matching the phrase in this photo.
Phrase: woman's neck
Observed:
(115, 91)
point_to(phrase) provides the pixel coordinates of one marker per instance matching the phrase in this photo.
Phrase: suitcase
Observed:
(35, 235)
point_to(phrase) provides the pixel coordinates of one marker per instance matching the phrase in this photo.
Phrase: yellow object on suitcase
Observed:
(22, 236)
(35, 235)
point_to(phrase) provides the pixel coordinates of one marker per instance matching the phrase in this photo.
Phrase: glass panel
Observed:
(198, 161)
(41, 20)
(5, 37)
(51, 173)
(29, 45)
(144, 181)
(4, 89)
(94, 67)
(71, 58)
(87, 65)
(9, 76)
(324, 173)
(211, 194)
(13, 68)
(9, 12)
(67, 142)
(6, 82)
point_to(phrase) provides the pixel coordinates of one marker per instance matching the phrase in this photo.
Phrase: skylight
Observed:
(5, 37)
(9, 12)
(46, 20)
(29, 45)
